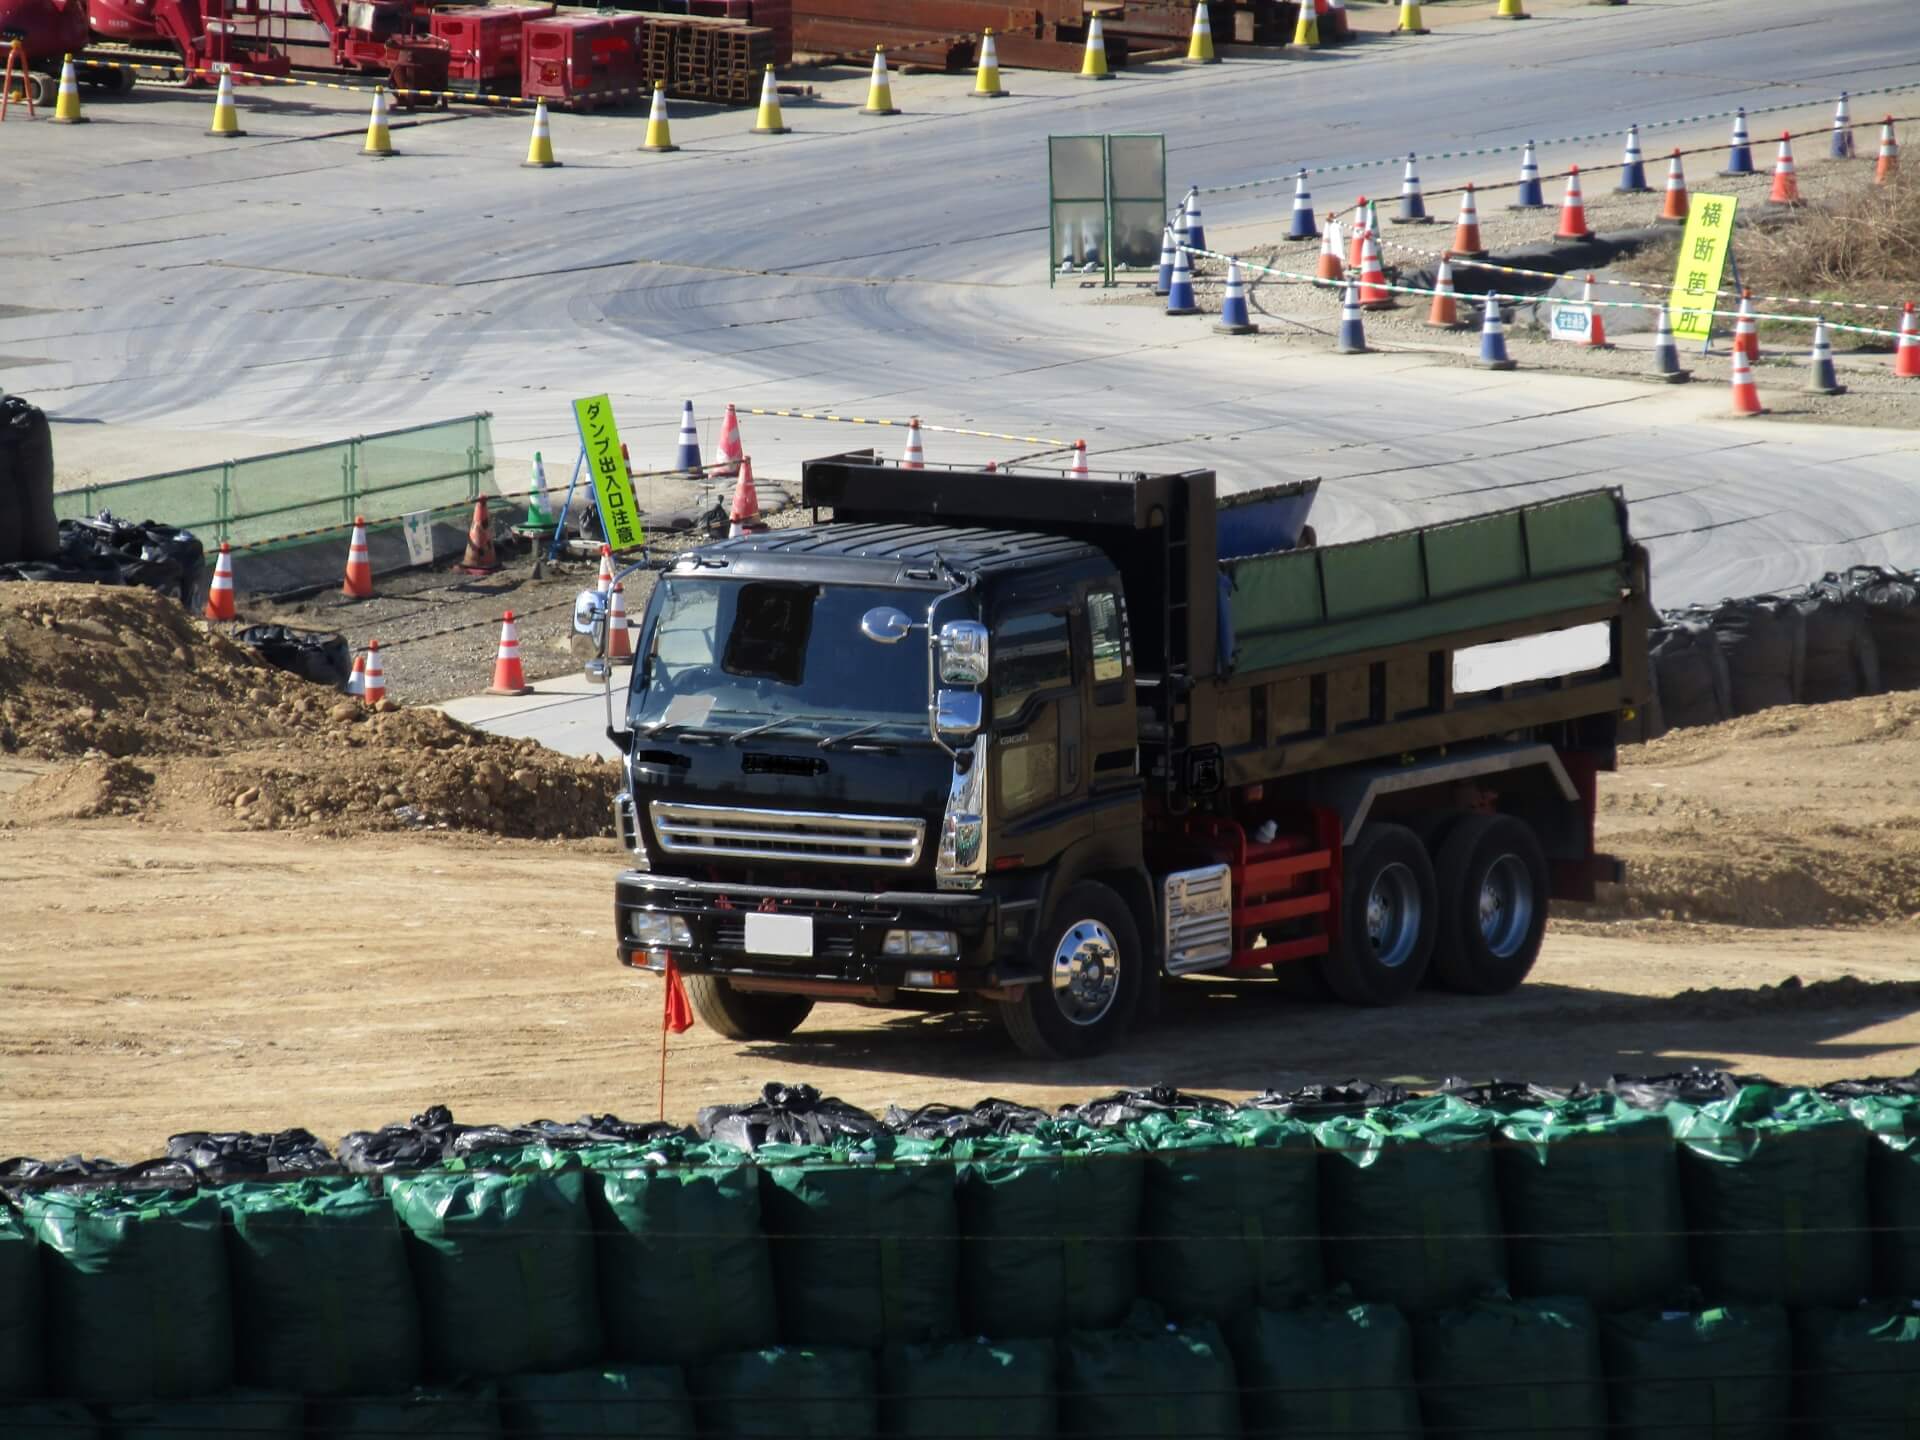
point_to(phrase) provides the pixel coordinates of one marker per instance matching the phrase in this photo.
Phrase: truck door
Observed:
(1112, 727)
(1039, 752)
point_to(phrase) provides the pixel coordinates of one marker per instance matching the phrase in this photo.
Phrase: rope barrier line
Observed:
(1533, 299)
(1345, 166)
(903, 424)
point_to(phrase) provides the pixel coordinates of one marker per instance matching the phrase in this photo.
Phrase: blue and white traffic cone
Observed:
(1413, 205)
(1633, 170)
(1163, 281)
(1842, 148)
(1493, 340)
(1528, 196)
(1301, 227)
(1196, 232)
(1353, 336)
(1234, 319)
(687, 456)
(1180, 237)
(1180, 292)
(1739, 148)
(1666, 354)
(1823, 381)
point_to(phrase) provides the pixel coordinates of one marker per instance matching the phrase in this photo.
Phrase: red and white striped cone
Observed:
(730, 451)
(359, 582)
(1466, 230)
(1746, 397)
(1374, 294)
(619, 637)
(1906, 354)
(1444, 314)
(1329, 266)
(746, 501)
(1573, 210)
(373, 678)
(915, 458)
(604, 581)
(220, 591)
(1361, 220)
(1786, 184)
(1673, 206)
(1887, 164)
(1746, 334)
(357, 681)
(1596, 319)
(1078, 469)
(509, 678)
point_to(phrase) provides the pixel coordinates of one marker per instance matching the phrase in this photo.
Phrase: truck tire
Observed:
(1093, 968)
(740, 1015)
(1492, 879)
(1387, 918)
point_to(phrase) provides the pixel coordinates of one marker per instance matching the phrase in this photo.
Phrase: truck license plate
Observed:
(769, 934)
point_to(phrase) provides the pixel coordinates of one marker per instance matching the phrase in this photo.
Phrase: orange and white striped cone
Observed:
(373, 677)
(1786, 184)
(1746, 397)
(619, 637)
(914, 458)
(1887, 164)
(604, 581)
(1362, 224)
(1374, 294)
(746, 501)
(1444, 313)
(1596, 319)
(480, 558)
(220, 591)
(1906, 354)
(358, 584)
(1329, 266)
(1674, 206)
(1573, 210)
(730, 452)
(1078, 469)
(357, 681)
(1466, 230)
(509, 677)
(1746, 334)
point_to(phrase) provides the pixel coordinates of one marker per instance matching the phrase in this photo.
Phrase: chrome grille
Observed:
(730, 832)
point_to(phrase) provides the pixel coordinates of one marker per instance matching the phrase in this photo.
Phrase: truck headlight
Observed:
(656, 930)
(920, 942)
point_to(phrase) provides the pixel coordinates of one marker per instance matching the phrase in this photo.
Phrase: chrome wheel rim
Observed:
(1086, 972)
(1506, 906)
(1393, 916)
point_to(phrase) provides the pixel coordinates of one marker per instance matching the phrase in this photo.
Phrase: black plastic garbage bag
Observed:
(27, 527)
(1842, 660)
(603, 1130)
(222, 1156)
(320, 656)
(428, 1138)
(786, 1115)
(148, 554)
(1692, 674)
(1892, 603)
(1764, 643)
(1319, 1102)
(1123, 1107)
(1693, 1086)
(977, 1122)
(1505, 1096)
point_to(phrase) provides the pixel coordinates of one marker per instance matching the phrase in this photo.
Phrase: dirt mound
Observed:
(173, 722)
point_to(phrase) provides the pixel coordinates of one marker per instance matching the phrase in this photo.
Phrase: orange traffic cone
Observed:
(1078, 469)
(220, 592)
(508, 676)
(1374, 294)
(359, 582)
(619, 637)
(1573, 210)
(1786, 185)
(1746, 398)
(373, 679)
(915, 458)
(1887, 165)
(1445, 311)
(1906, 356)
(1596, 319)
(1674, 208)
(1746, 334)
(730, 451)
(1329, 266)
(1466, 230)
(1360, 215)
(480, 559)
(357, 681)
(746, 501)
(604, 582)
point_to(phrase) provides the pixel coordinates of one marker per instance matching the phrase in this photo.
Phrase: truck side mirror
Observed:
(958, 714)
(590, 617)
(963, 654)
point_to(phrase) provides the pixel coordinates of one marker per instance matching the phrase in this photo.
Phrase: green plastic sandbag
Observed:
(1776, 1193)
(637, 1402)
(1591, 1193)
(1411, 1204)
(1860, 1371)
(503, 1270)
(48, 1420)
(1232, 1212)
(788, 1393)
(237, 1413)
(467, 1413)
(138, 1303)
(863, 1240)
(321, 1290)
(1496, 1369)
(21, 1319)
(1893, 1189)
(1149, 1378)
(1329, 1368)
(1720, 1374)
(1049, 1230)
(958, 1389)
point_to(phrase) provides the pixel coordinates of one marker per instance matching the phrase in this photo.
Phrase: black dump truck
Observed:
(1048, 742)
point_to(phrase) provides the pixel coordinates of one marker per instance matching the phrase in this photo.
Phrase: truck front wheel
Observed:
(1092, 969)
(1492, 876)
(740, 1015)
(1387, 918)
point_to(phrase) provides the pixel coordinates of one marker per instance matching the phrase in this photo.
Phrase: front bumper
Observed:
(849, 928)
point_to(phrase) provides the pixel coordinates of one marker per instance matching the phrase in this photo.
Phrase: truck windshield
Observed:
(782, 657)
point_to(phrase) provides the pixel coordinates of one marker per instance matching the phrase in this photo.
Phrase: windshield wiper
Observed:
(682, 729)
(774, 724)
(854, 734)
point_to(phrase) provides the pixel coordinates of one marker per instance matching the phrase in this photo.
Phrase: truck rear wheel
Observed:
(1492, 878)
(1092, 971)
(1387, 918)
(740, 1015)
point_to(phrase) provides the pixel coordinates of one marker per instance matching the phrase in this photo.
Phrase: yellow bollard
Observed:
(659, 137)
(986, 84)
(769, 121)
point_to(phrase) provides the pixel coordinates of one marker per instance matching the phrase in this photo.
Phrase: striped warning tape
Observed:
(1667, 124)
(1315, 280)
(902, 424)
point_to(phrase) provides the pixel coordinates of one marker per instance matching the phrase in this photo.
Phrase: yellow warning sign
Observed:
(612, 484)
(1703, 259)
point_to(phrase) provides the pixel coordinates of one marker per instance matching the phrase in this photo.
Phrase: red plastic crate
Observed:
(579, 62)
(485, 42)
